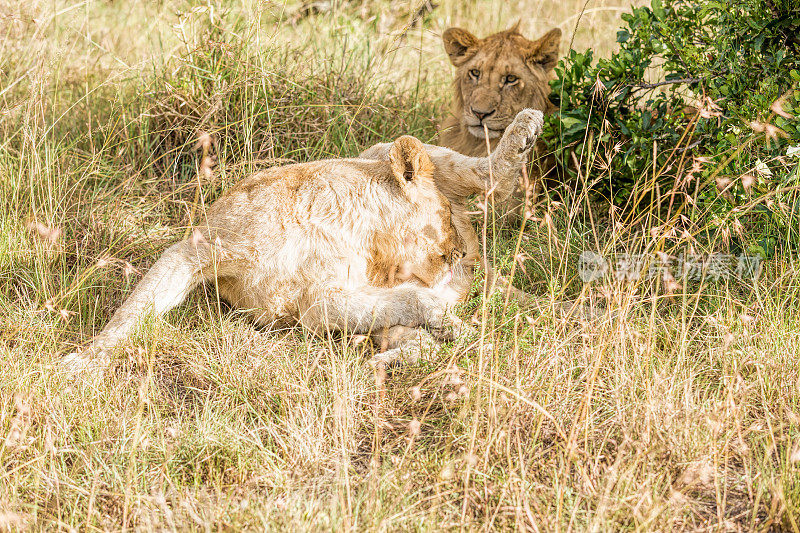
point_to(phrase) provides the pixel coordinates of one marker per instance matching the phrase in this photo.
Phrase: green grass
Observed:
(668, 413)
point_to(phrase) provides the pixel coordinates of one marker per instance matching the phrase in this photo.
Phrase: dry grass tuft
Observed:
(668, 406)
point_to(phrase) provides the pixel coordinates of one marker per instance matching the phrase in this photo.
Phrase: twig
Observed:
(690, 146)
(667, 82)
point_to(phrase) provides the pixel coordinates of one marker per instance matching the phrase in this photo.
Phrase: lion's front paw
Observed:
(525, 129)
(407, 354)
(451, 328)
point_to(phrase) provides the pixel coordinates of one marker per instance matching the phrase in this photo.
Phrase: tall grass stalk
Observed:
(656, 407)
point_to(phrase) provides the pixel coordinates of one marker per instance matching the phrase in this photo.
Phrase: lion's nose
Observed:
(481, 114)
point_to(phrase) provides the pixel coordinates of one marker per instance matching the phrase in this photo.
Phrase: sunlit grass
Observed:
(659, 411)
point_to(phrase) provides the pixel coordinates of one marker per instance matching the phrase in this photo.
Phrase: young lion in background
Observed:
(357, 245)
(496, 77)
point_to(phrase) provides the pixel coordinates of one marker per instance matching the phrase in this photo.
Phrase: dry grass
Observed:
(667, 413)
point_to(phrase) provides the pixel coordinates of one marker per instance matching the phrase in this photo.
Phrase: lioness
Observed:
(354, 244)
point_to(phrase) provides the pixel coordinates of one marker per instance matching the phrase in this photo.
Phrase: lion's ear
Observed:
(544, 51)
(457, 43)
(410, 162)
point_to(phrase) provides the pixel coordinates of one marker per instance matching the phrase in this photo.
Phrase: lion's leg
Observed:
(404, 345)
(409, 345)
(166, 285)
(500, 172)
(370, 309)
(459, 176)
(511, 157)
(506, 164)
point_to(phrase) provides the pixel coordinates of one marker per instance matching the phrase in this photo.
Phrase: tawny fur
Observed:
(494, 58)
(460, 178)
(306, 244)
(359, 245)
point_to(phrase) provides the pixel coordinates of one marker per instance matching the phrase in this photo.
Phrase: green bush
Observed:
(697, 110)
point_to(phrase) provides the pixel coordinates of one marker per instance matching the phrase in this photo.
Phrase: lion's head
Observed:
(497, 77)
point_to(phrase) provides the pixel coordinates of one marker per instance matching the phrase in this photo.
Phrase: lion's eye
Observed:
(475, 73)
(509, 79)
